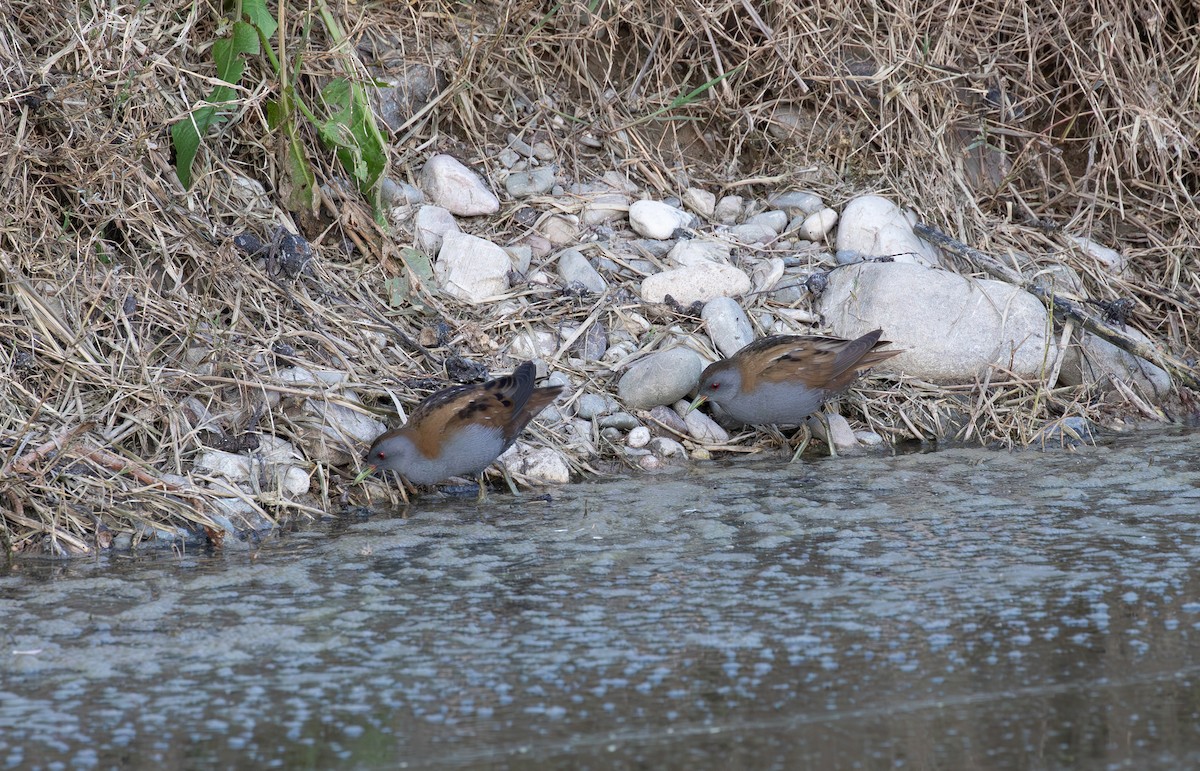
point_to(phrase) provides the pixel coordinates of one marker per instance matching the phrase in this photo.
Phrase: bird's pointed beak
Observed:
(366, 472)
(701, 399)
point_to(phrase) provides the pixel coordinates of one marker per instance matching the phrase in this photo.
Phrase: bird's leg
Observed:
(482, 490)
(823, 432)
(824, 419)
(803, 445)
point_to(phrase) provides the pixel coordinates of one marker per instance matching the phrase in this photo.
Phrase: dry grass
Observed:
(134, 333)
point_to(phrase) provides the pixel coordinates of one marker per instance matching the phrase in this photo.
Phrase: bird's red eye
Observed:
(713, 386)
(381, 455)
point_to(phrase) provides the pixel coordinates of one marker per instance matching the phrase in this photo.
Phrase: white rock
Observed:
(621, 421)
(728, 326)
(294, 481)
(519, 145)
(790, 121)
(700, 201)
(253, 475)
(398, 216)
(1095, 360)
(654, 219)
(432, 225)
(318, 377)
(393, 193)
(272, 449)
(524, 184)
(619, 182)
(843, 435)
(649, 462)
(573, 267)
(560, 229)
(728, 209)
(661, 377)
(332, 433)
(199, 415)
(774, 220)
(1058, 278)
(471, 268)
(533, 344)
(521, 256)
(198, 359)
(665, 447)
(1112, 260)
(873, 226)
(618, 352)
(579, 437)
(953, 329)
(767, 274)
(691, 251)
(696, 283)
(592, 406)
(606, 207)
(797, 202)
(345, 423)
(453, 186)
(701, 427)
(539, 246)
(816, 226)
(235, 508)
(545, 465)
(227, 465)
(868, 438)
(251, 196)
(638, 437)
(508, 157)
(752, 233)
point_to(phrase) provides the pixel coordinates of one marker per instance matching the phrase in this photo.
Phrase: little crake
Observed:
(461, 430)
(783, 379)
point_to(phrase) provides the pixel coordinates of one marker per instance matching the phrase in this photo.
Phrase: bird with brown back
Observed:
(781, 380)
(461, 430)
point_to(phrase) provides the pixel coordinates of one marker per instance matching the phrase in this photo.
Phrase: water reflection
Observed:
(958, 609)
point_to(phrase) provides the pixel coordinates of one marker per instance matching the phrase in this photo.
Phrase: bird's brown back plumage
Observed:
(814, 360)
(507, 403)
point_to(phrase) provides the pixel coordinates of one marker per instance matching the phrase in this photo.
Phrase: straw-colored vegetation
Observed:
(134, 333)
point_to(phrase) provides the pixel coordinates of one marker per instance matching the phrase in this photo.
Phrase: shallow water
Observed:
(959, 609)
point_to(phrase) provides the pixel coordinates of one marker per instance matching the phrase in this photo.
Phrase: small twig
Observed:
(24, 464)
(774, 180)
(124, 466)
(1064, 308)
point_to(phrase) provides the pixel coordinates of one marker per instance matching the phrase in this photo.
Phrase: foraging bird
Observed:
(785, 378)
(460, 430)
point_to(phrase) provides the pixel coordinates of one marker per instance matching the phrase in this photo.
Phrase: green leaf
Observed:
(228, 52)
(187, 135)
(400, 287)
(336, 96)
(397, 289)
(260, 17)
(351, 131)
(276, 114)
(302, 182)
